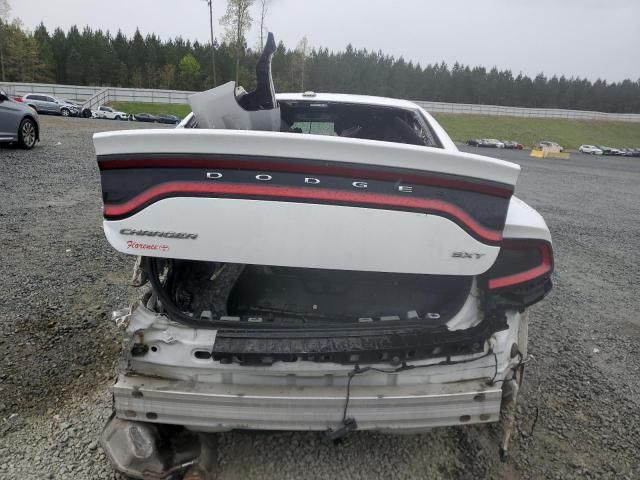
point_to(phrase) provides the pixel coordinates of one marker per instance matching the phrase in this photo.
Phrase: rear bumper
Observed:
(219, 407)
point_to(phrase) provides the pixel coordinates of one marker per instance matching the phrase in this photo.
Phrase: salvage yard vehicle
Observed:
(84, 112)
(609, 150)
(490, 143)
(631, 152)
(18, 122)
(168, 119)
(545, 144)
(364, 276)
(590, 149)
(110, 114)
(145, 117)
(48, 104)
(511, 145)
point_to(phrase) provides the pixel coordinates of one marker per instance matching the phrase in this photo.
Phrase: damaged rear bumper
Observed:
(169, 385)
(216, 407)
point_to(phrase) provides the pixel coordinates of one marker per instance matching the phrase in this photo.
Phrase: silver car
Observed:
(18, 122)
(47, 104)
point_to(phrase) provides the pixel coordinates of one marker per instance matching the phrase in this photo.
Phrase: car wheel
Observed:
(118, 117)
(86, 113)
(65, 112)
(27, 134)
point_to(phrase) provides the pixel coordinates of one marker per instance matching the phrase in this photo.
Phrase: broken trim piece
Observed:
(350, 347)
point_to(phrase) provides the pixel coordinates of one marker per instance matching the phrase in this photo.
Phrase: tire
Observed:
(27, 134)
(118, 117)
(65, 112)
(86, 113)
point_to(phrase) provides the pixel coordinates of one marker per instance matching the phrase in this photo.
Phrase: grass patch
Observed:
(152, 108)
(528, 131)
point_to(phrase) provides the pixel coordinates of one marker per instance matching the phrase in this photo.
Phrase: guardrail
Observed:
(117, 94)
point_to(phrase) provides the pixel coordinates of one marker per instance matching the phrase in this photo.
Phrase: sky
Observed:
(586, 38)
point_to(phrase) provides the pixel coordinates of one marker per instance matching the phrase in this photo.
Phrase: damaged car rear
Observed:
(315, 262)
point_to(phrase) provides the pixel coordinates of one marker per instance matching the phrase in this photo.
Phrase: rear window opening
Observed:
(387, 124)
(253, 296)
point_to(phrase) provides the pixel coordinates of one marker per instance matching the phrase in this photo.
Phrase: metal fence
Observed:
(100, 98)
(85, 94)
(471, 109)
(95, 96)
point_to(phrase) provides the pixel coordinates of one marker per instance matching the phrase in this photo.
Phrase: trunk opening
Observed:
(235, 296)
(266, 314)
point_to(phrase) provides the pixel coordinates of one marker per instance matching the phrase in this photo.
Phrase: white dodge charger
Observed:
(316, 262)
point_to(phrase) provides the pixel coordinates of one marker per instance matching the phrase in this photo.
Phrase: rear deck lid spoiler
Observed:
(180, 142)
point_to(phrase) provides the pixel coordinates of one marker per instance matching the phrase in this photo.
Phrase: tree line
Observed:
(99, 58)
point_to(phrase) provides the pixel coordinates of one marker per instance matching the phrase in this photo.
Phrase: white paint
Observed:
(304, 235)
(524, 222)
(315, 147)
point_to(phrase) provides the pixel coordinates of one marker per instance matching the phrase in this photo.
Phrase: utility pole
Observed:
(213, 53)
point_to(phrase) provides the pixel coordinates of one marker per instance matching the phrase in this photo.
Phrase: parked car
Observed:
(512, 145)
(474, 142)
(626, 152)
(549, 145)
(280, 297)
(18, 122)
(145, 117)
(109, 113)
(170, 119)
(83, 112)
(609, 150)
(48, 104)
(491, 143)
(590, 149)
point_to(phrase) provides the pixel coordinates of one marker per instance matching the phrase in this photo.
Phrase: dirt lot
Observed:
(60, 281)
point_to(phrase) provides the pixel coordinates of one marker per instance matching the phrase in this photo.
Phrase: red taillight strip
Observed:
(268, 192)
(267, 166)
(544, 268)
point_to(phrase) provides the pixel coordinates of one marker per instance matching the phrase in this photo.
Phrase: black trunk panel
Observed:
(346, 296)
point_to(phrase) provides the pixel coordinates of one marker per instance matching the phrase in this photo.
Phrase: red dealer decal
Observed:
(132, 244)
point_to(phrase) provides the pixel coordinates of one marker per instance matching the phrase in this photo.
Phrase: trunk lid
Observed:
(295, 200)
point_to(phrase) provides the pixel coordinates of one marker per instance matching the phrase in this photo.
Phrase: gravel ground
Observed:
(61, 280)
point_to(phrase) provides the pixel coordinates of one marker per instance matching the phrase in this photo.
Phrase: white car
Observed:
(316, 262)
(110, 114)
(491, 142)
(590, 149)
